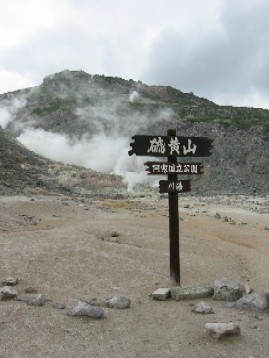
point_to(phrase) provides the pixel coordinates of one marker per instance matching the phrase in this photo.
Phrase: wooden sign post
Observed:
(171, 146)
(173, 222)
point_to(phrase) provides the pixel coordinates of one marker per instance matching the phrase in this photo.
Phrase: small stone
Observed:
(229, 305)
(22, 298)
(161, 294)
(255, 301)
(192, 292)
(203, 308)
(119, 302)
(221, 330)
(59, 306)
(30, 290)
(38, 300)
(84, 309)
(217, 216)
(10, 281)
(7, 292)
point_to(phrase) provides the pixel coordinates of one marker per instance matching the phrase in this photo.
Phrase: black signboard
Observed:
(174, 186)
(165, 146)
(161, 168)
(172, 146)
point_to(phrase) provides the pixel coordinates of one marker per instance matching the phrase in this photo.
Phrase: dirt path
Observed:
(71, 249)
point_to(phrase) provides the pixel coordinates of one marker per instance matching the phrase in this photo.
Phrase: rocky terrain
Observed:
(82, 258)
(85, 270)
(23, 171)
(80, 106)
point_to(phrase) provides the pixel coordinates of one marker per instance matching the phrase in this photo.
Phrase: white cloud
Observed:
(216, 49)
(11, 81)
(22, 20)
(224, 60)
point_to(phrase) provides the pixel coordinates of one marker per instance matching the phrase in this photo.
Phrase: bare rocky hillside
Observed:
(23, 171)
(79, 105)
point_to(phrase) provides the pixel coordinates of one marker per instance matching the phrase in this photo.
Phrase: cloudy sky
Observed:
(217, 49)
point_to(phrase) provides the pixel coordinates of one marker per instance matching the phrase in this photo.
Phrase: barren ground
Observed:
(64, 247)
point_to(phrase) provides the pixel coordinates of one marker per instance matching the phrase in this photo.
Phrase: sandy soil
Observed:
(64, 247)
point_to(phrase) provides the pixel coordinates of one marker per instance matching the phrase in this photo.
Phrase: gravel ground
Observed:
(72, 248)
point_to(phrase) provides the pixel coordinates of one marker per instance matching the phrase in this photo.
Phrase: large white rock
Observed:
(228, 290)
(161, 294)
(7, 292)
(191, 292)
(85, 309)
(221, 330)
(38, 300)
(256, 301)
(202, 308)
(119, 302)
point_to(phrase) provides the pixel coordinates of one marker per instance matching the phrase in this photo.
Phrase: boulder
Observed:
(38, 300)
(191, 292)
(255, 301)
(161, 294)
(119, 302)
(228, 290)
(202, 308)
(222, 330)
(10, 281)
(7, 292)
(85, 309)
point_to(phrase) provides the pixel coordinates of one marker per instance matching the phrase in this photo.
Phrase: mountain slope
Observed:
(23, 171)
(83, 108)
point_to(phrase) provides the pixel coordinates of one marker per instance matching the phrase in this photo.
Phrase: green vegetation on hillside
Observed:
(61, 94)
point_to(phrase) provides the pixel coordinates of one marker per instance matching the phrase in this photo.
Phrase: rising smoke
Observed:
(8, 110)
(105, 144)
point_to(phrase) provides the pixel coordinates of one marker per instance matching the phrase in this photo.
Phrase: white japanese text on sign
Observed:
(175, 168)
(157, 145)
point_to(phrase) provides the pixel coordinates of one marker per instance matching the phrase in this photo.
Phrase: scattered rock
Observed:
(59, 306)
(85, 309)
(202, 308)
(22, 298)
(113, 240)
(38, 300)
(218, 216)
(229, 305)
(161, 294)
(95, 302)
(115, 234)
(228, 219)
(119, 302)
(10, 281)
(222, 330)
(255, 301)
(228, 290)
(192, 292)
(7, 292)
(30, 290)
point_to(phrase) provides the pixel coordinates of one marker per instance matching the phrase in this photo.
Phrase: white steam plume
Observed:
(134, 96)
(8, 110)
(100, 153)
(5, 117)
(109, 125)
